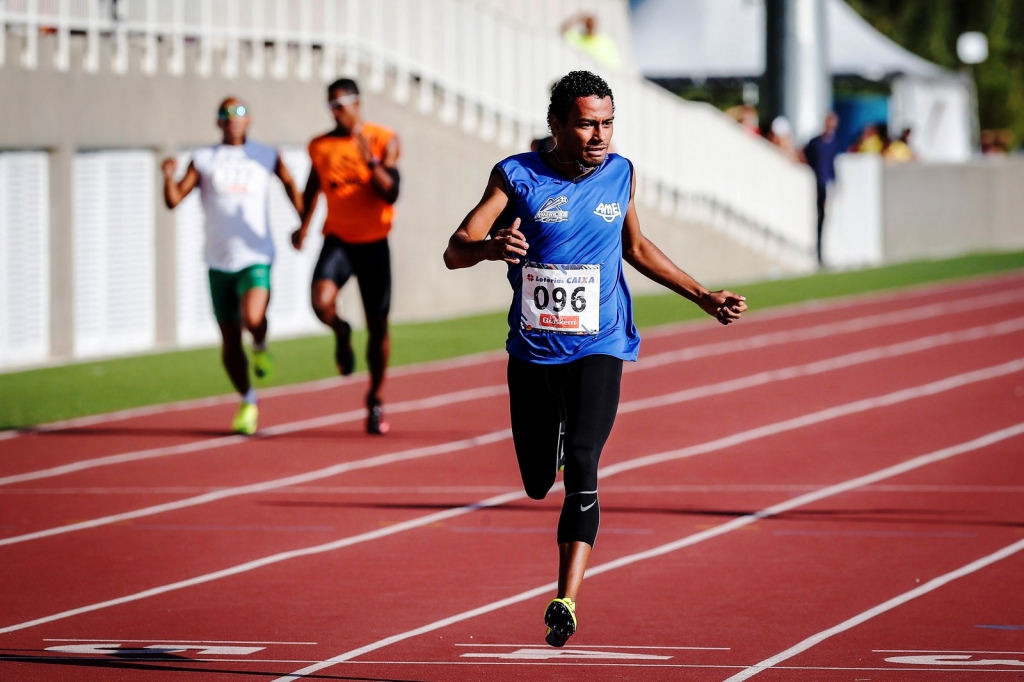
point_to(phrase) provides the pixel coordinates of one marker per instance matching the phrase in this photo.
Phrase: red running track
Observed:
(828, 492)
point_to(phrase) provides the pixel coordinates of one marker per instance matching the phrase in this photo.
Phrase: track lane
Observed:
(545, 562)
(180, 472)
(184, 521)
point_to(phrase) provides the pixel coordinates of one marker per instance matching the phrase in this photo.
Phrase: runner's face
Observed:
(233, 119)
(587, 131)
(344, 107)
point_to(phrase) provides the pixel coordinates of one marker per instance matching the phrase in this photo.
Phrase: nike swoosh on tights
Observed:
(582, 508)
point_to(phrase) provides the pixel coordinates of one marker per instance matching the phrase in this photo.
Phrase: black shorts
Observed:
(370, 263)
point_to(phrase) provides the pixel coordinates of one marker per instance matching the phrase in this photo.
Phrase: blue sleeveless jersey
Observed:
(569, 223)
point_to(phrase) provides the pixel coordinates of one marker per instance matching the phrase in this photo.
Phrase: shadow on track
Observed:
(189, 666)
(944, 517)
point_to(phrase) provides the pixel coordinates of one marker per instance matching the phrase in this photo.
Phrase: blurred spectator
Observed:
(870, 141)
(781, 135)
(820, 154)
(580, 31)
(898, 150)
(995, 142)
(746, 116)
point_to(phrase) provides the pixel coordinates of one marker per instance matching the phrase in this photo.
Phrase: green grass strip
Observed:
(44, 395)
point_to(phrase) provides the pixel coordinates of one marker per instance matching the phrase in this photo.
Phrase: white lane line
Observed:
(274, 392)
(696, 393)
(902, 295)
(930, 389)
(431, 402)
(760, 341)
(606, 646)
(165, 641)
(486, 489)
(829, 364)
(826, 330)
(690, 540)
(1014, 653)
(253, 488)
(889, 605)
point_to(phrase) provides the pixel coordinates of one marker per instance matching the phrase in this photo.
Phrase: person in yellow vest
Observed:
(355, 166)
(580, 31)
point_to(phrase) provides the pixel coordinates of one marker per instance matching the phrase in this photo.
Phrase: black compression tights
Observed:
(585, 395)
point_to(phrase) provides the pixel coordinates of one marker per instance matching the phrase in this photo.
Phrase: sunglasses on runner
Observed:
(233, 111)
(350, 98)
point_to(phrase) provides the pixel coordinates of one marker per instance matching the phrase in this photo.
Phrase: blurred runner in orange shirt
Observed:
(356, 167)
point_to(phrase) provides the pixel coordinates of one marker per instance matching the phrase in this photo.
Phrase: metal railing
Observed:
(473, 63)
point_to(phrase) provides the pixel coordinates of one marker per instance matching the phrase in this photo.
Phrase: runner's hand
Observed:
(724, 306)
(508, 244)
(169, 167)
(298, 236)
(364, 146)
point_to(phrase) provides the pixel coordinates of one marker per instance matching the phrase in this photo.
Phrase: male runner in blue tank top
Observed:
(564, 222)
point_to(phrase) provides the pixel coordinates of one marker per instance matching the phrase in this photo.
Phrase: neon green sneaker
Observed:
(245, 419)
(560, 617)
(262, 363)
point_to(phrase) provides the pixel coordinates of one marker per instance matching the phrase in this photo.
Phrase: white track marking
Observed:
(253, 488)
(274, 392)
(164, 641)
(826, 330)
(925, 343)
(934, 388)
(602, 646)
(732, 385)
(901, 295)
(728, 527)
(483, 489)
(889, 605)
(945, 651)
(431, 402)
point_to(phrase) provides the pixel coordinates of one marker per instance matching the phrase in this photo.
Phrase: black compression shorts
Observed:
(370, 263)
(584, 394)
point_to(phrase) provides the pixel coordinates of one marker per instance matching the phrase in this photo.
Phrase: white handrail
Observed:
(492, 68)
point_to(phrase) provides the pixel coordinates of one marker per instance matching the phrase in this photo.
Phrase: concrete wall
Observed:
(935, 210)
(443, 174)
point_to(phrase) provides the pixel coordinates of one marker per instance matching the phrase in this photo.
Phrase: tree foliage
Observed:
(930, 28)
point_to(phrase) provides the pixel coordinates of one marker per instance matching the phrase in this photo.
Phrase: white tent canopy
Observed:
(726, 39)
(702, 39)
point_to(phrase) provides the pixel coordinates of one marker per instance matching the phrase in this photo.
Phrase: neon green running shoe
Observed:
(245, 419)
(262, 363)
(560, 617)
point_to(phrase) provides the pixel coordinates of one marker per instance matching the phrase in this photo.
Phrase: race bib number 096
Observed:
(561, 299)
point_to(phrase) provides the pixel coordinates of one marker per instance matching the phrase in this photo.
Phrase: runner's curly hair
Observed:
(573, 85)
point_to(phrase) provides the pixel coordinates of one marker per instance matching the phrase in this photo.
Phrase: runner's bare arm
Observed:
(175, 192)
(470, 245)
(309, 198)
(652, 263)
(384, 171)
(290, 188)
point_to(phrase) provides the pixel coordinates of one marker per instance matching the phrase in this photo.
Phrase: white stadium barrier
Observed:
(114, 252)
(24, 258)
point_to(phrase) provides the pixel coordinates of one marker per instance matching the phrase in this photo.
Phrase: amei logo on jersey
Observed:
(608, 211)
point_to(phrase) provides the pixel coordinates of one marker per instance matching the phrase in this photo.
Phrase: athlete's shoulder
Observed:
(619, 160)
(371, 129)
(263, 153)
(523, 160)
(321, 141)
(202, 157)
